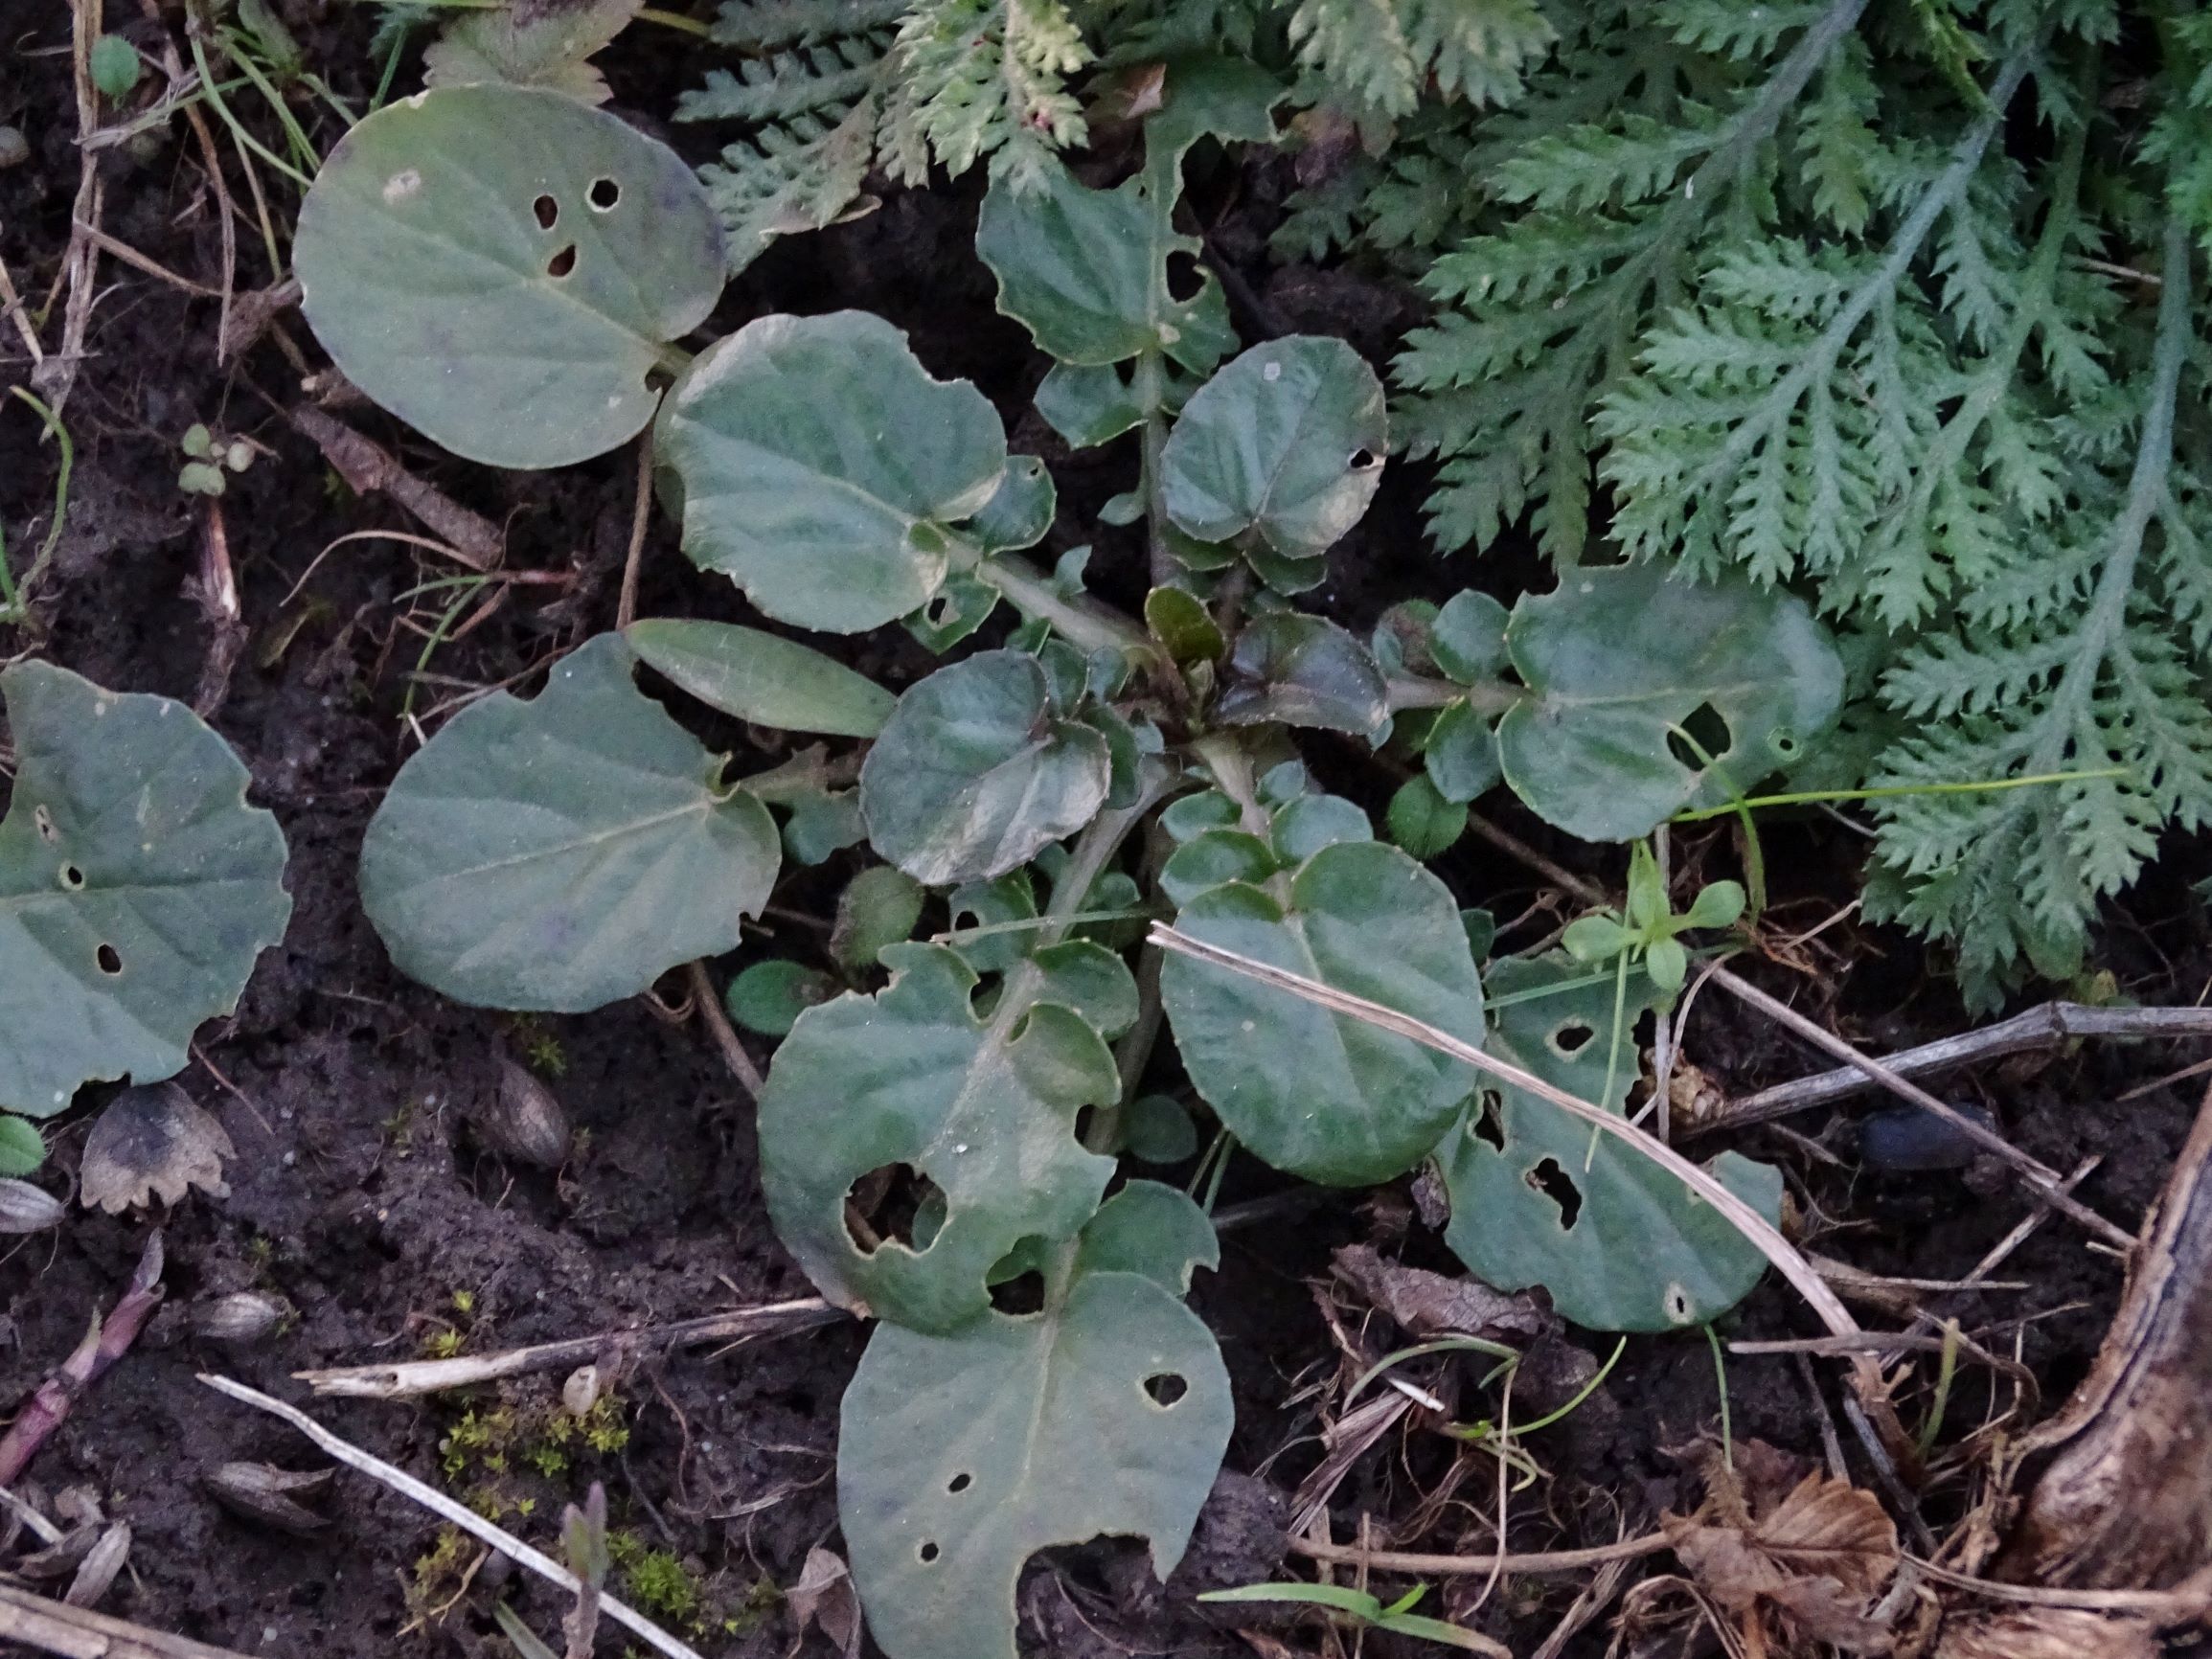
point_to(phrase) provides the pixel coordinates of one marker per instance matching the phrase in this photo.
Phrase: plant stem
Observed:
(1419, 692)
(1813, 796)
(1150, 385)
(1720, 1377)
(1225, 756)
(1085, 627)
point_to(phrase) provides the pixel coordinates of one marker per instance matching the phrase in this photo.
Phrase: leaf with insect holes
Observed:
(1319, 1094)
(1286, 441)
(1619, 663)
(1105, 1412)
(502, 267)
(136, 886)
(564, 852)
(1619, 1242)
(973, 775)
(980, 1107)
(761, 677)
(822, 468)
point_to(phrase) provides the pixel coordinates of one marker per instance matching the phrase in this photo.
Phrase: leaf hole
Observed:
(881, 1207)
(604, 194)
(1784, 743)
(1364, 458)
(928, 1552)
(110, 960)
(960, 1481)
(1552, 1181)
(1570, 1037)
(562, 262)
(1166, 1388)
(1487, 1124)
(1706, 730)
(1020, 1296)
(1677, 1301)
(1185, 281)
(71, 877)
(548, 212)
(44, 819)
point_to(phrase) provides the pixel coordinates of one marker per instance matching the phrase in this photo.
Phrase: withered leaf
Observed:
(2046, 1633)
(824, 1596)
(152, 1143)
(1815, 1559)
(1426, 1305)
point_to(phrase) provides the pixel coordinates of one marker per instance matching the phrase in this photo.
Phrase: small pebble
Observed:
(14, 148)
(1900, 1140)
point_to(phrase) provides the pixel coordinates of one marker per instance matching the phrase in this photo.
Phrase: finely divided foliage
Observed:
(1795, 305)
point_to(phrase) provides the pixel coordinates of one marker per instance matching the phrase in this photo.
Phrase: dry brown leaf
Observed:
(152, 1143)
(1814, 1558)
(2047, 1633)
(824, 1596)
(1426, 1305)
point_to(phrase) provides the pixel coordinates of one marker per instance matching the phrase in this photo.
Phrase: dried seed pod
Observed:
(27, 1209)
(580, 1393)
(56, 1559)
(523, 1121)
(99, 1567)
(243, 1316)
(263, 1492)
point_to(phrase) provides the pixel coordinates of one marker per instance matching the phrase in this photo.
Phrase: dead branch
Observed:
(368, 468)
(79, 1633)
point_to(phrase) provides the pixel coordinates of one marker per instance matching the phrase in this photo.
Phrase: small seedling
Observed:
(211, 462)
(1361, 1608)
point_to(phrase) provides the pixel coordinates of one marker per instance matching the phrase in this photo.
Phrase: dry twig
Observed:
(421, 1376)
(79, 1633)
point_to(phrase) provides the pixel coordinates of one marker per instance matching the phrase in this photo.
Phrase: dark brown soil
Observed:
(358, 1195)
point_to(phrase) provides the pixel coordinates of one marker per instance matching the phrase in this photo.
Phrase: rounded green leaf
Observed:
(972, 777)
(1468, 637)
(1324, 1095)
(822, 466)
(1618, 662)
(762, 677)
(960, 1455)
(1461, 752)
(1288, 440)
(1181, 623)
(770, 996)
(136, 886)
(984, 1110)
(564, 853)
(1305, 824)
(1020, 511)
(1159, 1130)
(1213, 856)
(502, 266)
(877, 909)
(116, 68)
(1421, 821)
(22, 1149)
(1539, 1198)
(1088, 404)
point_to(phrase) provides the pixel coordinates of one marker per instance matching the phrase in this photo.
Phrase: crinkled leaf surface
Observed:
(1614, 659)
(822, 466)
(136, 886)
(566, 852)
(762, 677)
(962, 1455)
(973, 775)
(454, 258)
(1302, 670)
(1643, 1252)
(1288, 441)
(985, 1107)
(1324, 1095)
(530, 45)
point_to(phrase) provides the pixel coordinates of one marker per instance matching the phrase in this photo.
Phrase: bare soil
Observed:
(358, 1192)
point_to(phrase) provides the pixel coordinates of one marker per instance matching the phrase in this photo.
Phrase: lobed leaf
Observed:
(136, 886)
(822, 468)
(961, 1455)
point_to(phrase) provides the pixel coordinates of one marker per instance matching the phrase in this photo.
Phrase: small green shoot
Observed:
(1360, 1607)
